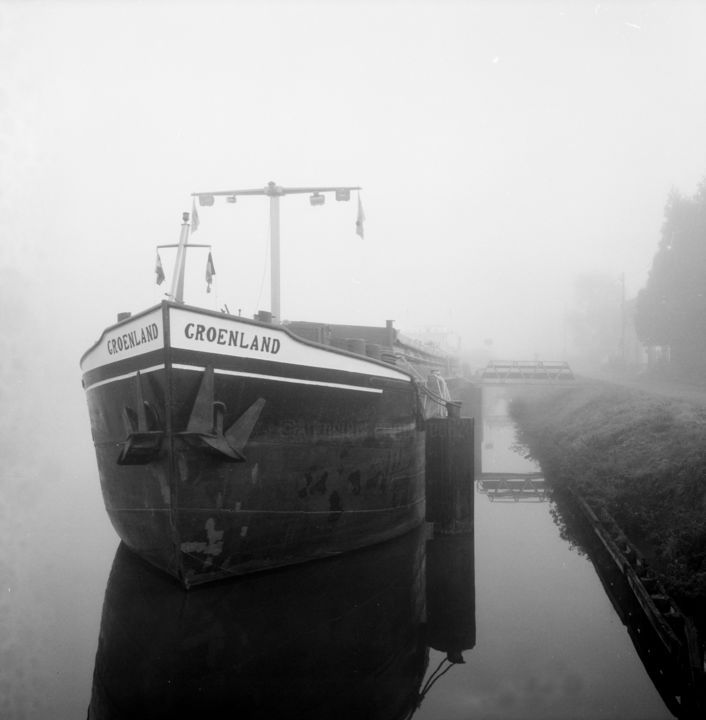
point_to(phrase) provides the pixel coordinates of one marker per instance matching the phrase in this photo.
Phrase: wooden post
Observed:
(449, 472)
(471, 396)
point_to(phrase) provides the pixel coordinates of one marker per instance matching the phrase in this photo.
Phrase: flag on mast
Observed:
(194, 217)
(210, 272)
(159, 270)
(360, 219)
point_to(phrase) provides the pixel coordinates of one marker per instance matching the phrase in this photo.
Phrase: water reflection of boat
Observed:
(343, 638)
(663, 638)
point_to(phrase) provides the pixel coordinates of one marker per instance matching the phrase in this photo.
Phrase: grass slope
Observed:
(642, 457)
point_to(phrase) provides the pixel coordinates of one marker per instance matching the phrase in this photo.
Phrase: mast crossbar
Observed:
(275, 192)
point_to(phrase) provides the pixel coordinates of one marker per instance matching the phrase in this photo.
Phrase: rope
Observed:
(433, 396)
(432, 680)
(438, 399)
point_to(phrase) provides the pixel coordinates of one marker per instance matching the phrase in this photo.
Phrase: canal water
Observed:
(549, 643)
(510, 622)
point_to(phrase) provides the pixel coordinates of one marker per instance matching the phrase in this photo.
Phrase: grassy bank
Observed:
(642, 457)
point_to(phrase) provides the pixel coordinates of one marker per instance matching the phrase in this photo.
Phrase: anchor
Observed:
(143, 439)
(205, 426)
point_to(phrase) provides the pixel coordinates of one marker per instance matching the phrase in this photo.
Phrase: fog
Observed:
(502, 148)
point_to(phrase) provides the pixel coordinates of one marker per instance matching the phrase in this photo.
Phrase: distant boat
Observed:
(227, 445)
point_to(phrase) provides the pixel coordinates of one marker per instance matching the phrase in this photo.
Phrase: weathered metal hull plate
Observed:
(218, 459)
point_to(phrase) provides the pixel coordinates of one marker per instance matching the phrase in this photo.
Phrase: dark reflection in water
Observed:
(680, 692)
(341, 638)
(451, 595)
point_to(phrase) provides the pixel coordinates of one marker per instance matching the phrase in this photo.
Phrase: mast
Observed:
(274, 253)
(275, 192)
(177, 293)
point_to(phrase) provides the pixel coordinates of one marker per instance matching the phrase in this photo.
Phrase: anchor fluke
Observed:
(239, 432)
(205, 426)
(216, 439)
(144, 439)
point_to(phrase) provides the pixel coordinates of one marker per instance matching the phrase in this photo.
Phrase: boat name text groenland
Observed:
(234, 338)
(132, 339)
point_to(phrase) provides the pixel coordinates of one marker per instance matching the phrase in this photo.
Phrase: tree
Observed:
(671, 308)
(596, 319)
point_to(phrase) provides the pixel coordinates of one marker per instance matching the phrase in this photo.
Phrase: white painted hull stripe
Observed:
(237, 373)
(144, 371)
(278, 378)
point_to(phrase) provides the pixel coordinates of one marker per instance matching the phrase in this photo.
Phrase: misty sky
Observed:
(502, 148)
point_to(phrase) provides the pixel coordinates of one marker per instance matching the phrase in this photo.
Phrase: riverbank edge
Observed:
(641, 457)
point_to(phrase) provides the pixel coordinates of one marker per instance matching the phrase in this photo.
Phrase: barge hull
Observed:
(218, 457)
